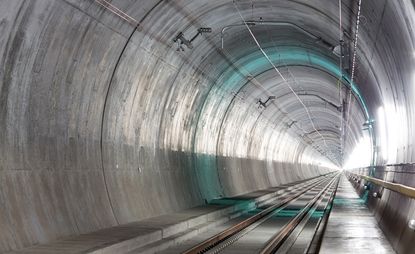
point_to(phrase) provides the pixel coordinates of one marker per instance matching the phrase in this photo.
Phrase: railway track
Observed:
(302, 203)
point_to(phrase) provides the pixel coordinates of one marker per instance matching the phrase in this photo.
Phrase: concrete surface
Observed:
(157, 233)
(351, 227)
(103, 122)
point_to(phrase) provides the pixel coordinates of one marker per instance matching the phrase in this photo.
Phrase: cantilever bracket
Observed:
(264, 103)
(180, 39)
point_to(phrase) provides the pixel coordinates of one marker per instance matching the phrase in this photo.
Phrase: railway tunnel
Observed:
(191, 126)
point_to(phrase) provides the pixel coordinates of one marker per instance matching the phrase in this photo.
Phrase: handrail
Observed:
(386, 165)
(396, 187)
(399, 164)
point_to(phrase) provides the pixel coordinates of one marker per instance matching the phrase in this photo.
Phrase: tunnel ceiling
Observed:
(294, 34)
(105, 115)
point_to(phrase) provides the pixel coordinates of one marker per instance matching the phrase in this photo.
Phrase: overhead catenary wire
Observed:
(258, 84)
(355, 40)
(356, 36)
(354, 58)
(132, 21)
(341, 43)
(279, 73)
(293, 78)
(118, 12)
(354, 55)
(115, 10)
(252, 80)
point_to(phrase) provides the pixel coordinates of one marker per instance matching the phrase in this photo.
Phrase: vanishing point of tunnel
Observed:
(207, 126)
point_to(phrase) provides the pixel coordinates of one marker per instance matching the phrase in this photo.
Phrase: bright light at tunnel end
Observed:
(392, 129)
(361, 154)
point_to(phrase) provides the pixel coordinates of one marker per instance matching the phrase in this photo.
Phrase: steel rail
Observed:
(315, 243)
(293, 236)
(218, 238)
(289, 190)
(275, 242)
(234, 238)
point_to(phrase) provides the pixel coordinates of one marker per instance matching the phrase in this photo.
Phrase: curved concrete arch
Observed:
(103, 122)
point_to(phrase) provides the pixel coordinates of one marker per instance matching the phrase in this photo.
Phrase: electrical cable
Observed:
(279, 73)
(132, 21)
(349, 104)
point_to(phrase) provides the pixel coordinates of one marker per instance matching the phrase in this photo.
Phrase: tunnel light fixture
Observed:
(361, 154)
(392, 127)
(366, 187)
(368, 124)
(411, 224)
(377, 195)
(180, 39)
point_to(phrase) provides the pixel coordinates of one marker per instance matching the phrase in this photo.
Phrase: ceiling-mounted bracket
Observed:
(264, 104)
(251, 23)
(180, 39)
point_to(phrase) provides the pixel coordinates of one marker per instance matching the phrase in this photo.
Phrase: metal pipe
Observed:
(390, 165)
(338, 107)
(277, 23)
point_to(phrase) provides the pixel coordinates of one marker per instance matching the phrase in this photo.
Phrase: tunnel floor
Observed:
(352, 228)
(191, 126)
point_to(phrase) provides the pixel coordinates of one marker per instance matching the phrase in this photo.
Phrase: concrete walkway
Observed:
(351, 227)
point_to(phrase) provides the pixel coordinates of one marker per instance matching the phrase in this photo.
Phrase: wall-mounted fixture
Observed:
(264, 104)
(377, 195)
(411, 224)
(343, 52)
(337, 50)
(291, 124)
(180, 39)
(337, 107)
(261, 22)
(366, 187)
(368, 124)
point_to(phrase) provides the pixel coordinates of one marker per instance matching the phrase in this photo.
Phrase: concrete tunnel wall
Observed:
(103, 122)
(100, 125)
